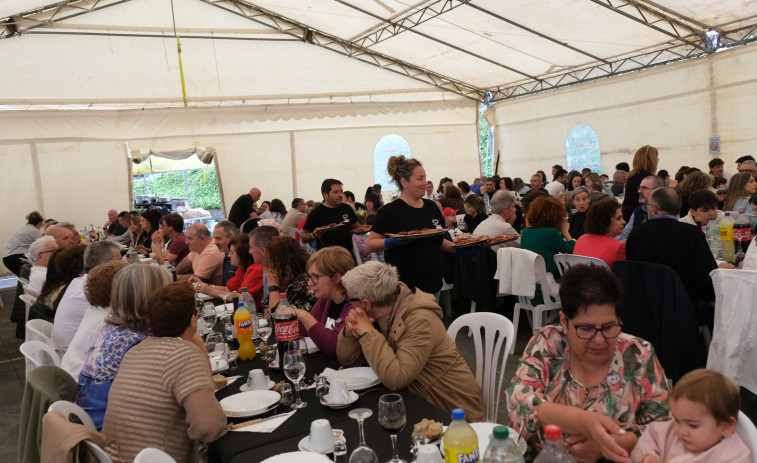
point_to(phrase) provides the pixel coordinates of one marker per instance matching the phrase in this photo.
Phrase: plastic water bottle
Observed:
(554, 449)
(132, 256)
(713, 238)
(460, 440)
(726, 238)
(502, 449)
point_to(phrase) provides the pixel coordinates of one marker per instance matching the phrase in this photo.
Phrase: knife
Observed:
(256, 421)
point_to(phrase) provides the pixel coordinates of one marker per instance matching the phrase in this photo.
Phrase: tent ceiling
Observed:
(471, 48)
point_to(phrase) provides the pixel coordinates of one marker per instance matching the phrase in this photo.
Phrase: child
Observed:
(704, 405)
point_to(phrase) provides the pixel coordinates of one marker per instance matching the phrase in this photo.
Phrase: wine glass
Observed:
(215, 346)
(363, 453)
(300, 345)
(392, 419)
(224, 294)
(294, 369)
(265, 326)
(208, 315)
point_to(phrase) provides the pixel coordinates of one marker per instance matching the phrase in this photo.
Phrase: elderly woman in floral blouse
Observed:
(601, 386)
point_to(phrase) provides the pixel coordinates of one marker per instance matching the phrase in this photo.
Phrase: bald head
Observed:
(198, 237)
(255, 194)
(62, 236)
(112, 215)
(665, 200)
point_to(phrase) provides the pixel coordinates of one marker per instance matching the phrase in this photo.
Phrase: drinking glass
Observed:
(265, 326)
(294, 369)
(224, 294)
(300, 345)
(214, 343)
(208, 315)
(363, 453)
(391, 417)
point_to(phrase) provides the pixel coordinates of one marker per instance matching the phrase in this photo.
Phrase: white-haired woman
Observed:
(409, 346)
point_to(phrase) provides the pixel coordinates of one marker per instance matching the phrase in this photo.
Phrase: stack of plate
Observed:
(356, 378)
(250, 403)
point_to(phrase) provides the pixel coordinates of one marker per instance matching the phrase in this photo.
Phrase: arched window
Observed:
(582, 147)
(388, 146)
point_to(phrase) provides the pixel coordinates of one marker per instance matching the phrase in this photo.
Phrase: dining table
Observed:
(249, 447)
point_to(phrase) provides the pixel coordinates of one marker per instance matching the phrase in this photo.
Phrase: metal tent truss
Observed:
(47, 15)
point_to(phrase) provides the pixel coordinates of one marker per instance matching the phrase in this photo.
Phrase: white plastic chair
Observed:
(40, 330)
(536, 312)
(445, 298)
(69, 409)
(748, 433)
(498, 339)
(98, 453)
(39, 353)
(566, 261)
(29, 291)
(23, 281)
(153, 455)
(28, 301)
(356, 252)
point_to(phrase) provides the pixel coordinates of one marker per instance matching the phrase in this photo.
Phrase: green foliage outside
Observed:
(484, 143)
(199, 186)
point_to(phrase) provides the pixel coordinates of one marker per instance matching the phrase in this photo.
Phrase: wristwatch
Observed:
(274, 288)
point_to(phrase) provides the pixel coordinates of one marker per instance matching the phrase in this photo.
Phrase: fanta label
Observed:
(244, 325)
(462, 456)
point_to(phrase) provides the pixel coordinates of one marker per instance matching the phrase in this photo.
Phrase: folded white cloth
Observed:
(267, 426)
(516, 272)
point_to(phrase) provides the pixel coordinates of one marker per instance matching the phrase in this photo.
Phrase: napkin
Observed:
(231, 379)
(266, 426)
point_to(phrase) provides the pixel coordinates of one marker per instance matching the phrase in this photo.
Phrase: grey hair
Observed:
(667, 200)
(228, 227)
(374, 281)
(132, 285)
(37, 246)
(581, 189)
(750, 163)
(263, 235)
(98, 253)
(501, 200)
(657, 181)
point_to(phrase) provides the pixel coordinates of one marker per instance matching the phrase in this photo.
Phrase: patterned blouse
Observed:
(100, 368)
(634, 393)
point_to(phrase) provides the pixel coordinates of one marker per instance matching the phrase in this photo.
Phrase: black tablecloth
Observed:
(247, 447)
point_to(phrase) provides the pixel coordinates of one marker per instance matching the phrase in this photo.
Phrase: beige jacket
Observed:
(416, 354)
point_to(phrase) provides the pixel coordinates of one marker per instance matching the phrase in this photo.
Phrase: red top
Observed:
(602, 247)
(252, 280)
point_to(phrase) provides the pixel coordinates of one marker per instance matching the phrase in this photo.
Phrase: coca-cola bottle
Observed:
(742, 231)
(286, 326)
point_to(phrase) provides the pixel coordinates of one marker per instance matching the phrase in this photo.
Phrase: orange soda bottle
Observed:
(243, 326)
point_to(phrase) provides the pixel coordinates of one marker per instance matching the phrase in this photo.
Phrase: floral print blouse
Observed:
(634, 393)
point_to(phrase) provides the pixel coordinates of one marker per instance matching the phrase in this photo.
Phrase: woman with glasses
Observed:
(600, 385)
(323, 323)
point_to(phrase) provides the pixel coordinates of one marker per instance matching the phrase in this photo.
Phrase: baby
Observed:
(704, 405)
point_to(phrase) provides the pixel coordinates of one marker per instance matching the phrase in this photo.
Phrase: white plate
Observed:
(303, 445)
(353, 398)
(356, 378)
(243, 388)
(484, 432)
(249, 403)
(219, 365)
(204, 297)
(220, 310)
(297, 457)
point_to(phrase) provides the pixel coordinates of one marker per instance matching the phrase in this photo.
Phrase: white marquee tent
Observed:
(290, 92)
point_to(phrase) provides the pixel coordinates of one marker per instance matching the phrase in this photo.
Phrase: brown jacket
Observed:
(61, 440)
(416, 354)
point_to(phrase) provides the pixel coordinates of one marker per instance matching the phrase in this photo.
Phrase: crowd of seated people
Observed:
(373, 299)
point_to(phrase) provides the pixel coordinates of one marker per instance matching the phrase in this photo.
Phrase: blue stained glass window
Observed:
(388, 146)
(582, 147)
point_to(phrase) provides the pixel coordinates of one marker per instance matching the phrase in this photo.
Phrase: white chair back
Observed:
(356, 252)
(28, 301)
(491, 353)
(566, 261)
(748, 433)
(292, 231)
(152, 455)
(69, 409)
(28, 290)
(98, 453)
(445, 298)
(510, 268)
(23, 281)
(40, 330)
(39, 353)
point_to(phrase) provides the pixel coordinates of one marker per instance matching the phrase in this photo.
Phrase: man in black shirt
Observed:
(244, 207)
(331, 211)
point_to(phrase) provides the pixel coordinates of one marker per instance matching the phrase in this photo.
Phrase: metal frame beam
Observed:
(666, 55)
(18, 24)
(346, 48)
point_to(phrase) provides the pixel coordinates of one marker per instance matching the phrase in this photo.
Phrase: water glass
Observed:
(294, 370)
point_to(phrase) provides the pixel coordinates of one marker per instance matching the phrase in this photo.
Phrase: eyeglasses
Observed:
(642, 187)
(589, 331)
(352, 300)
(314, 277)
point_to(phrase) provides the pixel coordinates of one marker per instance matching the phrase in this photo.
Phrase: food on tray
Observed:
(414, 232)
(362, 229)
(429, 429)
(465, 240)
(331, 225)
(500, 238)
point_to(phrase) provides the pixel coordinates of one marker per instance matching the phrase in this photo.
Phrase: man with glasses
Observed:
(172, 226)
(40, 252)
(639, 215)
(750, 167)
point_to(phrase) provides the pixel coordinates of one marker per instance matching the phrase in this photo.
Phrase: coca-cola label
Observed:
(742, 234)
(287, 331)
(721, 197)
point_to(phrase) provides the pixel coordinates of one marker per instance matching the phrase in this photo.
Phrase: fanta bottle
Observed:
(460, 440)
(243, 326)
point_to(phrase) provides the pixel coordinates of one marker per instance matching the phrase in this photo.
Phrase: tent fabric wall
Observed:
(675, 108)
(83, 169)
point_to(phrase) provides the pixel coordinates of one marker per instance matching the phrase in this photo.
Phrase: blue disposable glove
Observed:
(394, 242)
